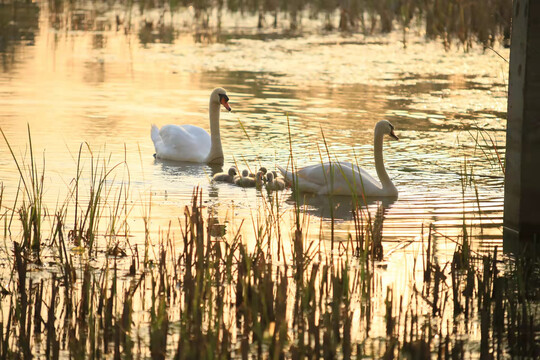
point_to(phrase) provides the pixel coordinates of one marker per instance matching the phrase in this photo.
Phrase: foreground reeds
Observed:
(206, 296)
(196, 291)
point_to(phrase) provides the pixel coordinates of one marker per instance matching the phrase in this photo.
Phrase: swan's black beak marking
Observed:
(392, 134)
(224, 100)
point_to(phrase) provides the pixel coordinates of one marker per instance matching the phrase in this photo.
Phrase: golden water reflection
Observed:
(75, 77)
(97, 85)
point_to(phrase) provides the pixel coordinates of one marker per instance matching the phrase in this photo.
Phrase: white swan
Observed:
(191, 143)
(343, 178)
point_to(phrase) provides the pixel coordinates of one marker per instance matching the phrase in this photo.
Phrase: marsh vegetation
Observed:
(80, 288)
(107, 252)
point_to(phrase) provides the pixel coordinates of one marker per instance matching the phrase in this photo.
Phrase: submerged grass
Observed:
(32, 208)
(194, 292)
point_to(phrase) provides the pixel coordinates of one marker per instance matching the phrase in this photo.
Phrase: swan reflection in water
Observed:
(337, 207)
(189, 174)
(182, 168)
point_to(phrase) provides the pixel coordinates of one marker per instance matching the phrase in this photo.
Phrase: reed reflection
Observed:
(19, 25)
(336, 207)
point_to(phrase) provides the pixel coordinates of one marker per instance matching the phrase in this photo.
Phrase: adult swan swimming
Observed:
(343, 178)
(191, 143)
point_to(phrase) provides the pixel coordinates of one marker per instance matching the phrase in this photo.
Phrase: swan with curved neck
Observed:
(344, 178)
(191, 143)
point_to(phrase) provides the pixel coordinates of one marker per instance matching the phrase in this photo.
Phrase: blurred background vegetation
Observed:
(450, 21)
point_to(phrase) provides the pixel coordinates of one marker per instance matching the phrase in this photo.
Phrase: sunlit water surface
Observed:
(105, 88)
(84, 82)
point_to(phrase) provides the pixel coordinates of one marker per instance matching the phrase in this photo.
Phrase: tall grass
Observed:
(198, 293)
(32, 208)
(213, 297)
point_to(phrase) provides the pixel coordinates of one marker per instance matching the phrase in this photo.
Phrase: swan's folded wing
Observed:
(304, 178)
(178, 136)
(356, 175)
(315, 178)
(154, 134)
(185, 143)
(339, 178)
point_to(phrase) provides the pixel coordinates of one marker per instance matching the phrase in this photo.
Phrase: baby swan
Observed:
(259, 178)
(274, 183)
(262, 170)
(226, 177)
(244, 180)
(247, 181)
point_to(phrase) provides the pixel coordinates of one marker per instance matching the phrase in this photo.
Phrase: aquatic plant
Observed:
(195, 291)
(32, 208)
(215, 296)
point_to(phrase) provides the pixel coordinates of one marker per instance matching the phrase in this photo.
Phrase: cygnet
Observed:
(225, 177)
(274, 184)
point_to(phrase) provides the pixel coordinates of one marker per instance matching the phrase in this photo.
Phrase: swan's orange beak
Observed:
(225, 103)
(393, 135)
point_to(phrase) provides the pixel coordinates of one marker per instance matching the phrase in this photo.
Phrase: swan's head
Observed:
(245, 173)
(386, 128)
(219, 96)
(270, 176)
(232, 171)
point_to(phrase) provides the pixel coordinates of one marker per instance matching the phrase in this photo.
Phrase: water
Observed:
(89, 83)
(73, 78)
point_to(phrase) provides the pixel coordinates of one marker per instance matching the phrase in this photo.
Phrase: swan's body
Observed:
(272, 183)
(226, 177)
(344, 178)
(191, 143)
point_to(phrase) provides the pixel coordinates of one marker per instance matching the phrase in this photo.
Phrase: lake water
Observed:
(73, 76)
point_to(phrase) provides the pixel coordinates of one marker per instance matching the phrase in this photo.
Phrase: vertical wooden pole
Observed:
(522, 180)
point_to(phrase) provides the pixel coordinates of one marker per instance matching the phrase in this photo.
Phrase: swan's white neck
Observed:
(387, 184)
(216, 151)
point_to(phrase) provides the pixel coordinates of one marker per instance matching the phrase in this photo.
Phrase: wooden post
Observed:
(522, 179)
